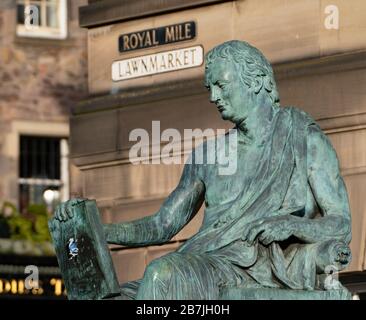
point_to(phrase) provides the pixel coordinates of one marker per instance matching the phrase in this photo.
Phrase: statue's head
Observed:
(239, 78)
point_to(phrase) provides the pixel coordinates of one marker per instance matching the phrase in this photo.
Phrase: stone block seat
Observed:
(237, 293)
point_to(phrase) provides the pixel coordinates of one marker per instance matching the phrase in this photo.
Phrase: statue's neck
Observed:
(256, 126)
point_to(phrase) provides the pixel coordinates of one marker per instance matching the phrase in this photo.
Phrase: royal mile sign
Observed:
(160, 62)
(157, 36)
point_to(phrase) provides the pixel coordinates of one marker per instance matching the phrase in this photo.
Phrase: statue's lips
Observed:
(221, 108)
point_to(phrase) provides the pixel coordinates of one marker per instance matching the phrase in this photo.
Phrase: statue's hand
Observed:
(270, 230)
(64, 211)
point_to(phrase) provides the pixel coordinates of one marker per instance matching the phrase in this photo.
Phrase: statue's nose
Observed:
(214, 97)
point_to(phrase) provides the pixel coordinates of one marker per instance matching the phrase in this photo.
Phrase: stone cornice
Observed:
(105, 12)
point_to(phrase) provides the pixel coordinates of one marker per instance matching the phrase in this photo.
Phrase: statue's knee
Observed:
(158, 270)
(332, 254)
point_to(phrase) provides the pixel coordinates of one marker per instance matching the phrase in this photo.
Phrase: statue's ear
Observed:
(258, 83)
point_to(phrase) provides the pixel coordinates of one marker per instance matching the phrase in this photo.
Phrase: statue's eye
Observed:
(208, 88)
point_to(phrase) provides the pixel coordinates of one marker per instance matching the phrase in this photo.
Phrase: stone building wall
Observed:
(40, 80)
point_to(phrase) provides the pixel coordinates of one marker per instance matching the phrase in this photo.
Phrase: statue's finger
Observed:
(267, 240)
(264, 237)
(75, 201)
(253, 234)
(63, 213)
(246, 232)
(69, 212)
(68, 209)
(57, 213)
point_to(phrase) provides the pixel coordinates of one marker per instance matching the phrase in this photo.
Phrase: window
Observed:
(42, 18)
(43, 171)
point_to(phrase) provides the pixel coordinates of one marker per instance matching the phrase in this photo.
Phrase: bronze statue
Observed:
(278, 223)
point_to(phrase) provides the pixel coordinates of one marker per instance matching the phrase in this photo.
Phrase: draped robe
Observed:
(219, 255)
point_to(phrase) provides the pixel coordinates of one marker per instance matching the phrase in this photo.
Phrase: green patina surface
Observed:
(83, 255)
(274, 227)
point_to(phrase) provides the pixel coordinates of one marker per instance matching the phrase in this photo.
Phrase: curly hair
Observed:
(253, 65)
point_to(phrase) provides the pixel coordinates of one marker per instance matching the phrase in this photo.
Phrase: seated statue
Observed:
(279, 222)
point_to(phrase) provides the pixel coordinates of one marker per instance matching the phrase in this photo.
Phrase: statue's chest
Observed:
(222, 187)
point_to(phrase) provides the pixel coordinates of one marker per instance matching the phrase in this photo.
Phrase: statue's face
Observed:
(227, 91)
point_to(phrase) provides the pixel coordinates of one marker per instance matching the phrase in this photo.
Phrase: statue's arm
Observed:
(329, 191)
(177, 210)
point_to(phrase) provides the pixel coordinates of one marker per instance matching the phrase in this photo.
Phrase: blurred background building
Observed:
(317, 48)
(43, 73)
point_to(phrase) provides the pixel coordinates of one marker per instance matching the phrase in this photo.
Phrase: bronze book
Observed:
(83, 254)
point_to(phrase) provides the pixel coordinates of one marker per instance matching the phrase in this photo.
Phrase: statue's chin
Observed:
(225, 116)
(233, 118)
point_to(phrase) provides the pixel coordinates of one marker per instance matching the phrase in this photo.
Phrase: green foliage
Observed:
(41, 229)
(33, 226)
(38, 210)
(20, 228)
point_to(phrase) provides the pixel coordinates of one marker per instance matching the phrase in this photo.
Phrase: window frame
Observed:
(11, 149)
(61, 183)
(58, 33)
